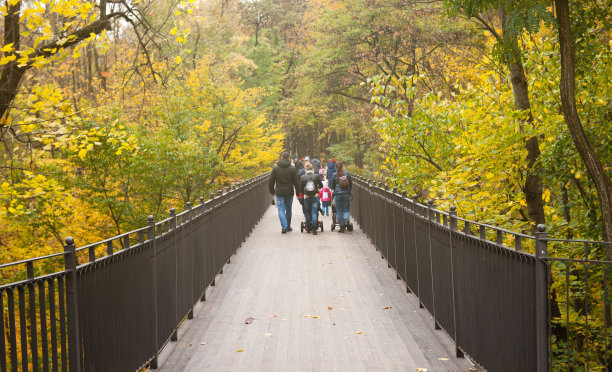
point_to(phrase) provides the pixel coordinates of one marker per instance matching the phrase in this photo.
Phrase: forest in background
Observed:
(115, 110)
(112, 110)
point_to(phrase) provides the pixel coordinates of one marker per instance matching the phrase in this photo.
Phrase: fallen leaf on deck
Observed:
(348, 257)
(358, 332)
(422, 369)
(189, 345)
(329, 308)
(241, 350)
(311, 316)
(387, 307)
(443, 359)
(249, 320)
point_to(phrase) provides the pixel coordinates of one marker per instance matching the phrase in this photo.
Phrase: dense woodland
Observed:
(111, 110)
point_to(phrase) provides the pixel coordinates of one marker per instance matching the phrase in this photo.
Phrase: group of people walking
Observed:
(312, 190)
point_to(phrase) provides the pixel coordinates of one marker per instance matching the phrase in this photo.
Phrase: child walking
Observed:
(325, 196)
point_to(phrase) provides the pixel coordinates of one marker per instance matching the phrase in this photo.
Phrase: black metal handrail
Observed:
(501, 305)
(118, 301)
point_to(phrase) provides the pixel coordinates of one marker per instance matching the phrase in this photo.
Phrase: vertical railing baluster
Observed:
(72, 306)
(52, 324)
(541, 308)
(517, 243)
(10, 294)
(3, 335)
(32, 302)
(61, 282)
(43, 325)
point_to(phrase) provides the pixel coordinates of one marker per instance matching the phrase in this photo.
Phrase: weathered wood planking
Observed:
(286, 282)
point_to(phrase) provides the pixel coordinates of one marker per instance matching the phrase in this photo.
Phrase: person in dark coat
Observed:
(310, 184)
(331, 169)
(316, 164)
(342, 196)
(283, 180)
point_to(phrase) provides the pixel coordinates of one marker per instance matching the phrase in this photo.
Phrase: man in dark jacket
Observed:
(316, 164)
(331, 169)
(283, 180)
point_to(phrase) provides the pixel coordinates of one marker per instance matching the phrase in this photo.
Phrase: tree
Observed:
(568, 99)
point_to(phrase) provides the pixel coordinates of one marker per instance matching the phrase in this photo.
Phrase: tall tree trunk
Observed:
(11, 73)
(520, 90)
(568, 102)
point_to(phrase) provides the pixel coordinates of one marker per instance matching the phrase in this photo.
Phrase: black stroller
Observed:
(349, 225)
(303, 223)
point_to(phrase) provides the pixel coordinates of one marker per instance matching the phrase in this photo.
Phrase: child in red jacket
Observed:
(325, 196)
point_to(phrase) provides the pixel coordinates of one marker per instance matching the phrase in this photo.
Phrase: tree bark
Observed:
(520, 89)
(568, 102)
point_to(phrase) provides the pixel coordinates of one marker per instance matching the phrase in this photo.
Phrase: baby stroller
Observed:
(349, 225)
(303, 223)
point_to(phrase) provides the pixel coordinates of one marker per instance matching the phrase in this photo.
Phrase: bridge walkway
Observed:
(313, 303)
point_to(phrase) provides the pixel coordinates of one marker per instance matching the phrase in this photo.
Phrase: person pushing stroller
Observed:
(310, 184)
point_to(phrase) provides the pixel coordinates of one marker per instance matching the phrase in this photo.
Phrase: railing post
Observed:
(189, 209)
(72, 306)
(452, 222)
(151, 237)
(173, 224)
(395, 200)
(415, 209)
(541, 282)
(404, 209)
(431, 217)
(189, 214)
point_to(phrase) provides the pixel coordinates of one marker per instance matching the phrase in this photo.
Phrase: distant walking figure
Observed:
(341, 183)
(283, 180)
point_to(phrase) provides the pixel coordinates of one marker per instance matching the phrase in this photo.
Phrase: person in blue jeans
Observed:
(283, 180)
(341, 183)
(310, 184)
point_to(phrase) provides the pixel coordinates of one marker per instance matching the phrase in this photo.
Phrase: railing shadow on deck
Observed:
(509, 309)
(120, 300)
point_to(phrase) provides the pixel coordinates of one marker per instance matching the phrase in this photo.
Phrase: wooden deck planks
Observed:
(286, 282)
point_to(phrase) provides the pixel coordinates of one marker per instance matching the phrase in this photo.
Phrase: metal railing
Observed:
(497, 293)
(120, 300)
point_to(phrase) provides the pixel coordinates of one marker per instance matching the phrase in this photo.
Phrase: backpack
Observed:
(310, 188)
(343, 182)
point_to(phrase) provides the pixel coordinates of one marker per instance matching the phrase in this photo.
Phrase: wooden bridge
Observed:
(218, 287)
(295, 301)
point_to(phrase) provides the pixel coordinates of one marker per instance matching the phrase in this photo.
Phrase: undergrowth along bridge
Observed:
(119, 301)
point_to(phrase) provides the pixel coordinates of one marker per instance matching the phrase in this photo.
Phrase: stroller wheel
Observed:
(302, 227)
(321, 226)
